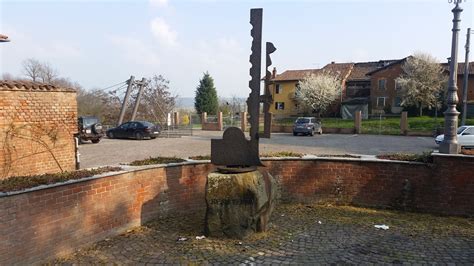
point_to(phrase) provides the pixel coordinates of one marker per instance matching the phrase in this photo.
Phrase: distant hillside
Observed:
(185, 102)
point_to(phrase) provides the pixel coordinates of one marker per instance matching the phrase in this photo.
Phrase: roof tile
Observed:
(6, 85)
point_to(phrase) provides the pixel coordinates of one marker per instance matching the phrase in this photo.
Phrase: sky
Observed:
(101, 43)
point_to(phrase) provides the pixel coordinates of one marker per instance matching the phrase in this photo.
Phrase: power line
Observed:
(119, 88)
(112, 86)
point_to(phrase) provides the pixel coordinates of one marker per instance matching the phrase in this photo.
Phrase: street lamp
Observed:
(450, 143)
(466, 79)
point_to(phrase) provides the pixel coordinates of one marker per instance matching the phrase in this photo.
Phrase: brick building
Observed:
(373, 83)
(37, 127)
(385, 94)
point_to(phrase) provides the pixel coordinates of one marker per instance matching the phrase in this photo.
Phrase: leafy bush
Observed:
(15, 183)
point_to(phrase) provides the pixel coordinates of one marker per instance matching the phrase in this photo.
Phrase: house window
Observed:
(279, 106)
(380, 101)
(397, 85)
(278, 89)
(382, 84)
(397, 102)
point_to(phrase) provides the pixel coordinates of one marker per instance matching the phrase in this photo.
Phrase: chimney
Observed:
(333, 62)
(274, 72)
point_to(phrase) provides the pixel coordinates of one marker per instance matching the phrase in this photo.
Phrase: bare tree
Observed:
(237, 104)
(422, 82)
(48, 74)
(8, 76)
(157, 100)
(223, 106)
(32, 69)
(317, 91)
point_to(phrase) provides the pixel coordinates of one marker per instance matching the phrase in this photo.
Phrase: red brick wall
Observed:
(445, 187)
(55, 221)
(45, 223)
(36, 131)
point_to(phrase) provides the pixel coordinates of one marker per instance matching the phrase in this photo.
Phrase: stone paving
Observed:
(300, 234)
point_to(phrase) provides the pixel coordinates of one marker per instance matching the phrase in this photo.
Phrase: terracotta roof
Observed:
(294, 75)
(360, 70)
(291, 75)
(395, 62)
(342, 69)
(461, 68)
(6, 85)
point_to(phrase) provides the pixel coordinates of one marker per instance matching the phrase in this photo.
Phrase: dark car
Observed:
(89, 128)
(134, 129)
(307, 126)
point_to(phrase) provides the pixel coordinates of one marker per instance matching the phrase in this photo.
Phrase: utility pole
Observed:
(450, 143)
(141, 85)
(125, 99)
(466, 79)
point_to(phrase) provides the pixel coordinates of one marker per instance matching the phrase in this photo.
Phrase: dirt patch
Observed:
(157, 160)
(410, 157)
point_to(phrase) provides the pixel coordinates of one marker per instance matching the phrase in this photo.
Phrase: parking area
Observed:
(115, 151)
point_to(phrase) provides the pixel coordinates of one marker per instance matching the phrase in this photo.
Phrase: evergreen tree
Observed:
(206, 96)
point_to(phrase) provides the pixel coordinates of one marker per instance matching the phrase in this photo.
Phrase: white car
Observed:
(465, 136)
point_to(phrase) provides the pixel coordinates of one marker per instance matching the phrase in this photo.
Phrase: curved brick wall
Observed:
(44, 223)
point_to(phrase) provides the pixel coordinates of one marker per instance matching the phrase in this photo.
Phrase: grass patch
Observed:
(386, 126)
(425, 157)
(157, 160)
(282, 154)
(16, 183)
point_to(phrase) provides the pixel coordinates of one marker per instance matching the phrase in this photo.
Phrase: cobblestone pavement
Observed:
(300, 234)
(115, 151)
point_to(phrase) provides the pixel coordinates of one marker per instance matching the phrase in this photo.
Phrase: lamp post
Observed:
(466, 79)
(450, 143)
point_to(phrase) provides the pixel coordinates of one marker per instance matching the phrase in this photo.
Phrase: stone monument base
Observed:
(239, 203)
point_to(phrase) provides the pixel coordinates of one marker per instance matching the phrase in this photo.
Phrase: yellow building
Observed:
(283, 87)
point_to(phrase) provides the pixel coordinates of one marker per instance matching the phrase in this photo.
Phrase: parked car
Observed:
(465, 137)
(307, 126)
(89, 128)
(134, 129)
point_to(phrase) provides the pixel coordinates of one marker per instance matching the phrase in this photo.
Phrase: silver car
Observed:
(465, 136)
(307, 126)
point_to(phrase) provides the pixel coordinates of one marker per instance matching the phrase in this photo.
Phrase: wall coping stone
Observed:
(437, 153)
(126, 169)
(130, 169)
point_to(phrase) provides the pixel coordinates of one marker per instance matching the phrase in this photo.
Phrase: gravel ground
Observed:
(114, 151)
(299, 234)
